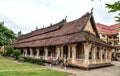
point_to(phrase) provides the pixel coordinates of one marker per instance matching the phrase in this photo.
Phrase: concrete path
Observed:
(105, 71)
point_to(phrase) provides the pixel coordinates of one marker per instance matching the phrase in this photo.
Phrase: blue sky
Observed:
(25, 15)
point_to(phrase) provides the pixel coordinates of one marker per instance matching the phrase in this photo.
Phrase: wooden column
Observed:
(103, 54)
(87, 48)
(94, 53)
(58, 51)
(37, 52)
(73, 52)
(46, 52)
(31, 52)
(110, 55)
(100, 54)
(109, 60)
(69, 51)
(25, 52)
(106, 54)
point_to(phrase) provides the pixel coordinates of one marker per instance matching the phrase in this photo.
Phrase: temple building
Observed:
(111, 35)
(77, 40)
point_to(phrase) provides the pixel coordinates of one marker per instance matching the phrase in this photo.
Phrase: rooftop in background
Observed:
(110, 30)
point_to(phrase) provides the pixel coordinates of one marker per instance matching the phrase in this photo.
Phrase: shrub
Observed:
(34, 60)
(28, 59)
(1, 53)
(16, 53)
(9, 51)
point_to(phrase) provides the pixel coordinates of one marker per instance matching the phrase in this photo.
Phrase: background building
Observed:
(111, 35)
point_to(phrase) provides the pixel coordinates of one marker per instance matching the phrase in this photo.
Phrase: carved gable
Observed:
(89, 28)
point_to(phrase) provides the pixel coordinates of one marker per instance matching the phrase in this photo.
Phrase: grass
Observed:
(10, 68)
(6, 64)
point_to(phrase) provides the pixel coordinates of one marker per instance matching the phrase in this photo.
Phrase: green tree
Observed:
(115, 7)
(16, 53)
(10, 51)
(6, 35)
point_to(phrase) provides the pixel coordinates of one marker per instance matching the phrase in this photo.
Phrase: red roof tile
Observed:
(111, 30)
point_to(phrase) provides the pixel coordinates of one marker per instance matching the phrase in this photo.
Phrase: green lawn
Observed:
(11, 68)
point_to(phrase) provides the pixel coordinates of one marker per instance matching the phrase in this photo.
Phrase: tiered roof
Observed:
(61, 33)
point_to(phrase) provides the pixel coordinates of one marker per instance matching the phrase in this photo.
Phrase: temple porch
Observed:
(82, 54)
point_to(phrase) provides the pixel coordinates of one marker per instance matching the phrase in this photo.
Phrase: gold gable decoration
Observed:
(86, 35)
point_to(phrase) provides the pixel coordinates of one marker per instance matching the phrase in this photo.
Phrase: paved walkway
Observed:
(105, 71)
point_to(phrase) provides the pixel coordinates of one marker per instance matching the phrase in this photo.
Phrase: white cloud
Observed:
(25, 15)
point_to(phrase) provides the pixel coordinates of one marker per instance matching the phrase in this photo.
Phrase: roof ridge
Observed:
(62, 21)
(85, 15)
(51, 27)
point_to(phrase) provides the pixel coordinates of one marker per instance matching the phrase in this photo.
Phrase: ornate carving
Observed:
(86, 35)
